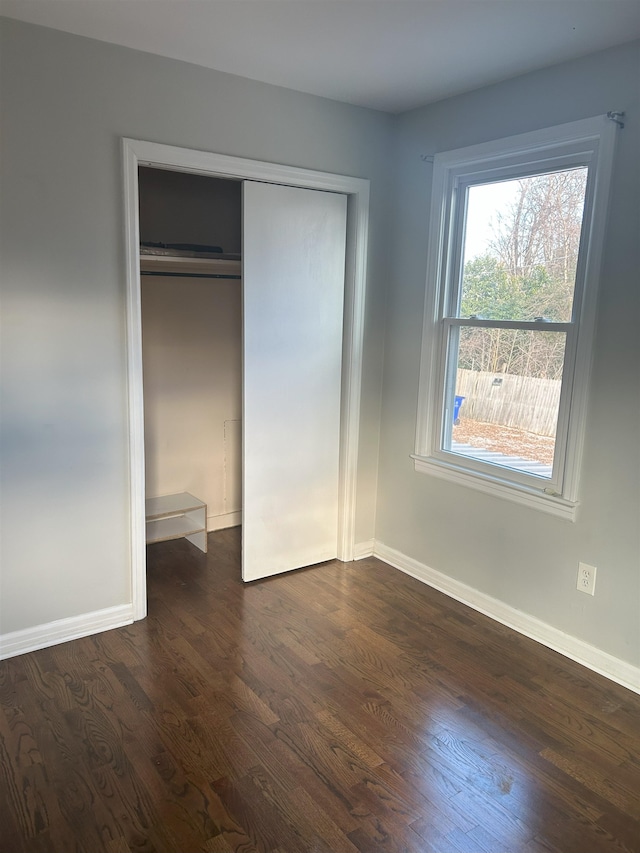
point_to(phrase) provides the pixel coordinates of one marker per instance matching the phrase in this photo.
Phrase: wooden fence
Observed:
(516, 401)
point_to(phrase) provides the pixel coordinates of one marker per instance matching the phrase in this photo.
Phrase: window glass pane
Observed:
(507, 396)
(520, 247)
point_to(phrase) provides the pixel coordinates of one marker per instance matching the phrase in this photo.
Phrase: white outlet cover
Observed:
(586, 578)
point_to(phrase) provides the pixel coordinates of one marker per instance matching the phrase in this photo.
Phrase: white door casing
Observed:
(140, 153)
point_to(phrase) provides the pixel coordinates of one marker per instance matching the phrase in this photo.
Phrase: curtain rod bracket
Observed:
(617, 116)
(426, 158)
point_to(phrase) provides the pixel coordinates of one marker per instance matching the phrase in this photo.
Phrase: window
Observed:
(515, 242)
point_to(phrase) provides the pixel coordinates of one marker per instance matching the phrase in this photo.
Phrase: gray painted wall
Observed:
(523, 557)
(66, 103)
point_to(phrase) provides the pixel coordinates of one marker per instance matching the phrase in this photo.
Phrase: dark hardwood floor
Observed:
(341, 708)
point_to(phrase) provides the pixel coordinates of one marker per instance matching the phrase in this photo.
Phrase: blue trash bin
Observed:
(457, 402)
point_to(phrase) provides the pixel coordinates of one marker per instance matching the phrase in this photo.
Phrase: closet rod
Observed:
(167, 274)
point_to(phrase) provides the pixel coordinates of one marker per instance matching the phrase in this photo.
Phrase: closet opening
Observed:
(284, 210)
(191, 303)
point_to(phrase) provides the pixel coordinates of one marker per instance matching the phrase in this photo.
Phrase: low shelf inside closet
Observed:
(177, 517)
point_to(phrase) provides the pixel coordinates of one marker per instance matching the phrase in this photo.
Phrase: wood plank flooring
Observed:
(337, 709)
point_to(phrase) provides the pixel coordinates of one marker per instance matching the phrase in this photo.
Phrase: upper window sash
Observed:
(457, 214)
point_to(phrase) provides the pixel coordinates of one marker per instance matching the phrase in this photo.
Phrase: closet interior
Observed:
(190, 273)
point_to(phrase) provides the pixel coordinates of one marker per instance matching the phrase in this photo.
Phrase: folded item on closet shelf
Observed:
(181, 250)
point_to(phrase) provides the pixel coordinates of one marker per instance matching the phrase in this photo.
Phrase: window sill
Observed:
(552, 504)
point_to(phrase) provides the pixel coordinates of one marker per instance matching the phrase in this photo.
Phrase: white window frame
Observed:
(589, 143)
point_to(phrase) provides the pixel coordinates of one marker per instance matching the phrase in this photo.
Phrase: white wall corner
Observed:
(63, 630)
(364, 549)
(583, 653)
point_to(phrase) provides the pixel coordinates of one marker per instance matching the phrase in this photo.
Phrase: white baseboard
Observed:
(74, 627)
(220, 522)
(364, 549)
(593, 658)
(63, 630)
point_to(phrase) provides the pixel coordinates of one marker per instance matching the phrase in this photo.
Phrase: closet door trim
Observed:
(140, 153)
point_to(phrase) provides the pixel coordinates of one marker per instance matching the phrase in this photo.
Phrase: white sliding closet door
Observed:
(293, 285)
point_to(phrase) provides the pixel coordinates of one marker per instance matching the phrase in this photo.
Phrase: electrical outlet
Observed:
(586, 578)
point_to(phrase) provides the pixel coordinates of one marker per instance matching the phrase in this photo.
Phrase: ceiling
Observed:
(389, 55)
